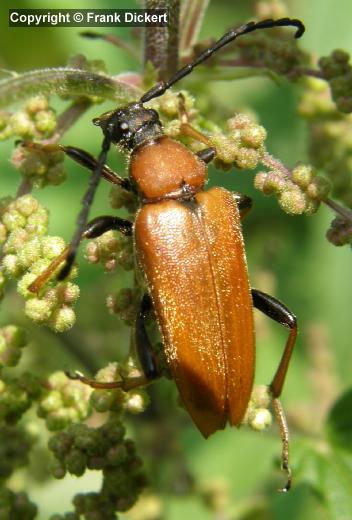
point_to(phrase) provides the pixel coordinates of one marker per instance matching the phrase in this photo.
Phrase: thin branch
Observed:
(114, 40)
(161, 43)
(315, 73)
(192, 14)
(345, 213)
(24, 187)
(271, 162)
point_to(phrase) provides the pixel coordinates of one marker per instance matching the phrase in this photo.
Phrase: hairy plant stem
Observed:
(161, 43)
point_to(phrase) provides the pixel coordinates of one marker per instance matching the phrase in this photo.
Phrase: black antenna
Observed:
(86, 202)
(159, 89)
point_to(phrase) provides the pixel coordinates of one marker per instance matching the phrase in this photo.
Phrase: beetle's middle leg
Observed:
(145, 354)
(278, 312)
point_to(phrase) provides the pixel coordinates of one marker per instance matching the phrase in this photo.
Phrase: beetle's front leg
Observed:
(145, 354)
(83, 158)
(278, 312)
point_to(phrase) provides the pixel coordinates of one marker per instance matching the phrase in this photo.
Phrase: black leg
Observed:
(243, 202)
(207, 155)
(144, 348)
(145, 354)
(88, 161)
(100, 225)
(83, 158)
(278, 312)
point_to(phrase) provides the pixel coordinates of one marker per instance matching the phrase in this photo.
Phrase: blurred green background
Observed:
(287, 255)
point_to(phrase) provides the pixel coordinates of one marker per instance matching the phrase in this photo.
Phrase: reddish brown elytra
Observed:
(189, 247)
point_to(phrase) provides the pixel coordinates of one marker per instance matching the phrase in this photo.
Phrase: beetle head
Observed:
(130, 126)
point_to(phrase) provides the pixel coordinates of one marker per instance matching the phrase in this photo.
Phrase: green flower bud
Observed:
(76, 462)
(58, 471)
(262, 420)
(36, 104)
(63, 319)
(45, 122)
(102, 401)
(21, 124)
(30, 252)
(247, 158)
(136, 401)
(13, 219)
(302, 175)
(319, 188)
(344, 104)
(253, 135)
(52, 402)
(239, 122)
(26, 205)
(293, 201)
(38, 310)
(52, 246)
(11, 266)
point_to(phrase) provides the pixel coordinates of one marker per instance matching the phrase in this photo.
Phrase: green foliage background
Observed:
(306, 272)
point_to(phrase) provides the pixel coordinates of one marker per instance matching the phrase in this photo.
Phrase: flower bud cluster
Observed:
(125, 304)
(337, 71)
(16, 396)
(340, 231)
(12, 341)
(112, 250)
(301, 192)
(40, 166)
(117, 400)
(36, 121)
(16, 505)
(64, 401)
(15, 445)
(330, 137)
(241, 146)
(105, 448)
(27, 252)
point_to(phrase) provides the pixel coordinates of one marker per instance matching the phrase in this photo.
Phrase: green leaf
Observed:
(64, 82)
(337, 486)
(339, 422)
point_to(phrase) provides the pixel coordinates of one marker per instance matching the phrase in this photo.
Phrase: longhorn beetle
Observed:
(189, 247)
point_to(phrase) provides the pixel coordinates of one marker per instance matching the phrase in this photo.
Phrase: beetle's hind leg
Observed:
(278, 312)
(93, 229)
(145, 354)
